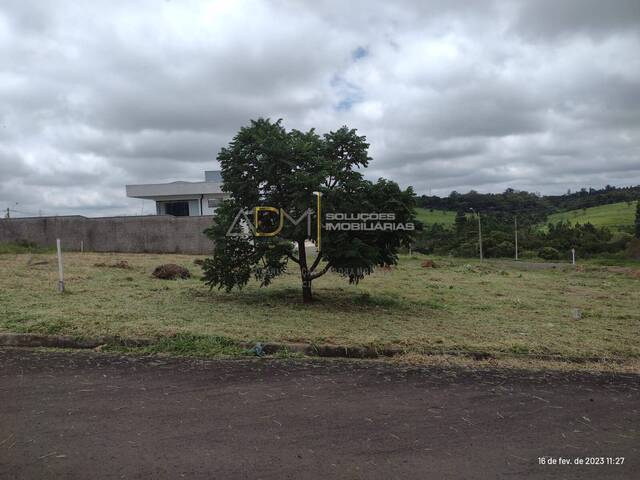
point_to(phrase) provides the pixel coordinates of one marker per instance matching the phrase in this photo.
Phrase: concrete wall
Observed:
(145, 234)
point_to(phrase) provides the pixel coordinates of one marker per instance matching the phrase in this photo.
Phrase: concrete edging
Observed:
(67, 341)
(269, 348)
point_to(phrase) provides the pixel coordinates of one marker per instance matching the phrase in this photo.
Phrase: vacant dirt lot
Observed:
(84, 415)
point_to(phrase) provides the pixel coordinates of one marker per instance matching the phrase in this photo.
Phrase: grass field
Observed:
(494, 307)
(18, 248)
(428, 217)
(614, 216)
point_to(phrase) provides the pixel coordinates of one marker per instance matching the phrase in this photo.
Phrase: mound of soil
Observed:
(171, 271)
(34, 263)
(120, 264)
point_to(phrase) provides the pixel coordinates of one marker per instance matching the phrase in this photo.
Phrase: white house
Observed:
(183, 199)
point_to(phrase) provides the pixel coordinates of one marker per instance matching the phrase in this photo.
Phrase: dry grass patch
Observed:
(461, 305)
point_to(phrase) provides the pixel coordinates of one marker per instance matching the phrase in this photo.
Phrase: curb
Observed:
(333, 351)
(66, 341)
(270, 348)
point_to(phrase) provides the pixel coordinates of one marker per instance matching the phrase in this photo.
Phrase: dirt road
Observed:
(88, 415)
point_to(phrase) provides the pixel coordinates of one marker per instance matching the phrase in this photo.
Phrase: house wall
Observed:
(194, 205)
(144, 234)
(206, 210)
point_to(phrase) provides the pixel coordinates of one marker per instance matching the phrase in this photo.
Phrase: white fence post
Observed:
(60, 268)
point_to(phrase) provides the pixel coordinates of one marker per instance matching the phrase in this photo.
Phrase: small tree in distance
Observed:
(265, 165)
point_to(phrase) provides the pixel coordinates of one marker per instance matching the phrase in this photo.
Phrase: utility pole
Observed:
(8, 214)
(479, 232)
(515, 221)
(480, 235)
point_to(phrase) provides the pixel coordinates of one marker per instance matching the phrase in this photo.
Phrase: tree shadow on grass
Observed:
(325, 299)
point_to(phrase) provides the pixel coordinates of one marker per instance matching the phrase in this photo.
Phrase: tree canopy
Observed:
(267, 166)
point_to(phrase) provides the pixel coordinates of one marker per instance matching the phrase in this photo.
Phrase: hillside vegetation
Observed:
(614, 216)
(528, 205)
(430, 217)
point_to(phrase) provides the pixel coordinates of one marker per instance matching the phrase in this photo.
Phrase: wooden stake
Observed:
(60, 268)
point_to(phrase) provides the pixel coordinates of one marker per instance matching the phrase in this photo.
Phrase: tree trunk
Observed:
(305, 275)
(307, 296)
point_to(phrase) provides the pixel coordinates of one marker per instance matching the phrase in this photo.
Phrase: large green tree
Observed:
(266, 165)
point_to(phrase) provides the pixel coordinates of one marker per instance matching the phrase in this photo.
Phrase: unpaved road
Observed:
(88, 415)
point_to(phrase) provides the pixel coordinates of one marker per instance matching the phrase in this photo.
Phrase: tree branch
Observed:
(291, 257)
(316, 262)
(321, 272)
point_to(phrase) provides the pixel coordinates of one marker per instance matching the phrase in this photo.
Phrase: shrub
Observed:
(502, 249)
(618, 243)
(633, 249)
(549, 253)
(467, 250)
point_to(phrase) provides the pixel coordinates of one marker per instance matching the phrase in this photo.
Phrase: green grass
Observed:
(23, 247)
(616, 216)
(186, 344)
(496, 307)
(428, 217)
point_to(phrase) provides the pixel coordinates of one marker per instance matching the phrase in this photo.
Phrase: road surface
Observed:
(89, 415)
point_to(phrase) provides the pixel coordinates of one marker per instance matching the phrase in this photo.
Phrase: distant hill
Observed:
(531, 208)
(616, 216)
(443, 217)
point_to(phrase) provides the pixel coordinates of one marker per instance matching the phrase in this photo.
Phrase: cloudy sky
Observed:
(542, 95)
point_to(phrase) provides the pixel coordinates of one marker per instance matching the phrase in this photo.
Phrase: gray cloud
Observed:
(549, 19)
(532, 94)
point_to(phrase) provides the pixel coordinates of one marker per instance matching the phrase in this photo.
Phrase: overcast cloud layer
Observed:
(537, 95)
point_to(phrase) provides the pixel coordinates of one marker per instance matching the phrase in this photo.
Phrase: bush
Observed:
(633, 249)
(618, 243)
(466, 250)
(503, 249)
(549, 253)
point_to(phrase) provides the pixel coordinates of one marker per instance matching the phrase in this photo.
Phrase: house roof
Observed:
(151, 191)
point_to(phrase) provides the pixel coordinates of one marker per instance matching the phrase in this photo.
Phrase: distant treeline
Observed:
(531, 207)
(553, 242)
(499, 210)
